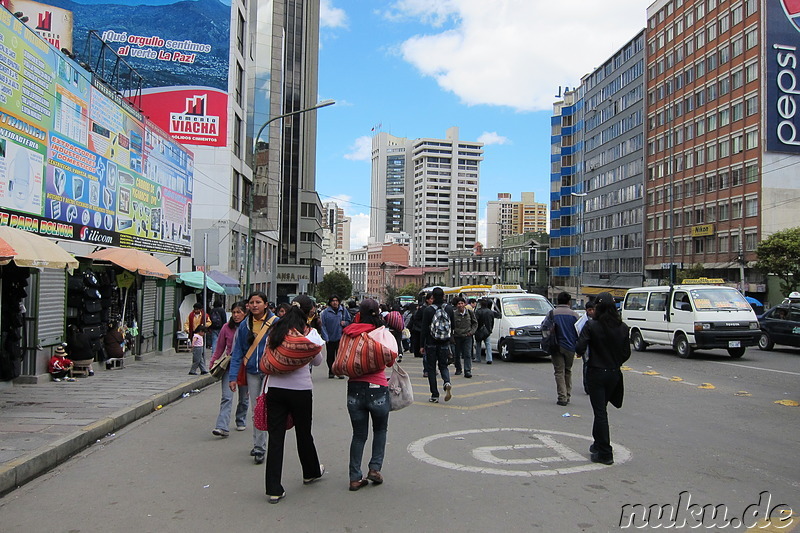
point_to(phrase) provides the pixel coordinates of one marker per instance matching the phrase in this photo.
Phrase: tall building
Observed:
(723, 171)
(427, 188)
(610, 197)
(335, 240)
(506, 217)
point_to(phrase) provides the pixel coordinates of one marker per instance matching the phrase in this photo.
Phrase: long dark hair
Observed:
(241, 305)
(251, 338)
(370, 313)
(605, 312)
(295, 318)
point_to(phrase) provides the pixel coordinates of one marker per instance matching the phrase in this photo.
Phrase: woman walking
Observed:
(293, 345)
(367, 396)
(225, 341)
(251, 341)
(606, 337)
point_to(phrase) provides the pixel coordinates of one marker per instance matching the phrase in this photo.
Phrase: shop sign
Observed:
(703, 230)
(782, 82)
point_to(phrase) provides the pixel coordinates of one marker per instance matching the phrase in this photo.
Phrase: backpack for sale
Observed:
(549, 336)
(440, 325)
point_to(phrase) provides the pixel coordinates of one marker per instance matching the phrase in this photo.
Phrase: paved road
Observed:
(500, 456)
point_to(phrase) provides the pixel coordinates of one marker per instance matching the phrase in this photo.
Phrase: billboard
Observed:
(180, 48)
(53, 24)
(783, 77)
(78, 162)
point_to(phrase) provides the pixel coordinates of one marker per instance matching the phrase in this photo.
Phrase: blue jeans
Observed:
(226, 405)
(464, 352)
(363, 400)
(486, 344)
(254, 382)
(437, 354)
(214, 333)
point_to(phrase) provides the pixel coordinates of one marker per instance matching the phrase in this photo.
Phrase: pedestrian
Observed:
(225, 344)
(464, 327)
(251, 341)
(605, 340)
(333, 320)
(59, 366)
(408, 316)
(579, 327)
(196, 318)
(416, 330)
(564, 319)
(394, 323)
(437, 334)
(282, 308)
(367, 397)
(290, 393)
(483, 335)
(218, 319)
(199, 351)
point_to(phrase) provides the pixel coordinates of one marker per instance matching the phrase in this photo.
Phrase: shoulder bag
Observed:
(401, 394)
(241, 378)
(220, 366)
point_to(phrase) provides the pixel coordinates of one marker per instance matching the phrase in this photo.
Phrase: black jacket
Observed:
(427, 318)
(485, 316)
(608, 348)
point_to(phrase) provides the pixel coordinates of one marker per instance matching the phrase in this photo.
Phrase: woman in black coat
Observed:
(607, 339)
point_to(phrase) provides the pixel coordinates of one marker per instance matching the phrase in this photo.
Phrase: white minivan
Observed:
(518, 320)
(690, 317)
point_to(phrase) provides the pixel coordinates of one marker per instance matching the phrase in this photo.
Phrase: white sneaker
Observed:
(241, 428)
(56, 379)
(70, 379)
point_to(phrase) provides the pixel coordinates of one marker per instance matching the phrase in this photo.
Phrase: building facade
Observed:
(392, 186)
(506, 217)
(335, 240)
(383, 262)
(358, 272)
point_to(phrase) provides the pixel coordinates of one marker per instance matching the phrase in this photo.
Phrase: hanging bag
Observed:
(364, 354)
(260, 411)
(401, 393)
(220, 366)
(241, 377)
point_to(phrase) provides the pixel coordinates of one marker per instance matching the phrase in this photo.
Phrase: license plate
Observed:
(734, 344)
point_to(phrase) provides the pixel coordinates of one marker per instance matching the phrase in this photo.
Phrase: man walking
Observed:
(333, 319)
(484, 332)
(437, 332)
(564, 319)
(464, 326)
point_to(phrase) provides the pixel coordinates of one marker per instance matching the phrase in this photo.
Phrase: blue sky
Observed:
(490, 67)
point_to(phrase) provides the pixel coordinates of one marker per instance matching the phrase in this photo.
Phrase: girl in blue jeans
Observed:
(367, 396)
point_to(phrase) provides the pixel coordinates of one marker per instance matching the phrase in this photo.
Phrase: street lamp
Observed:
(251, 196)
(580, 242)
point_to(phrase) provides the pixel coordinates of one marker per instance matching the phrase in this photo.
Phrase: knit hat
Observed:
(60, 352)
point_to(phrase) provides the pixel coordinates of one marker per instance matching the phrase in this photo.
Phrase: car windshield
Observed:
(526, 306)
(721, 298)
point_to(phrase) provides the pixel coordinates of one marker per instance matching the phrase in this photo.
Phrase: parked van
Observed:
(690, 317)
(517, 323)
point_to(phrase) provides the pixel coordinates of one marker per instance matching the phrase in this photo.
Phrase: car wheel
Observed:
(683, 347)
(736, 353)
(765, 342)
(505, 353)
(638, 342)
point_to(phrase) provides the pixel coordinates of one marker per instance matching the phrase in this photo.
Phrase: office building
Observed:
(506, 217)
(335, 240)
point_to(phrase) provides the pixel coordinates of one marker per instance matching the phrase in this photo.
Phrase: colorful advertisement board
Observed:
(53, 24)
(79, 163)
(180, 48)
(783, 76)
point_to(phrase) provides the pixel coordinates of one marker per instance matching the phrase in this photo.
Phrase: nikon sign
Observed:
(783, 76)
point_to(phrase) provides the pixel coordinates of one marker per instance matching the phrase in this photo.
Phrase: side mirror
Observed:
(497, 314)
(686, 306)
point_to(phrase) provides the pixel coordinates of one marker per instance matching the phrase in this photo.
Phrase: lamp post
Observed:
(579, 195)
(251, 196)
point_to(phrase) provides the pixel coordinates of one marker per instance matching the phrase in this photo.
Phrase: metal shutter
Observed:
(52, 307)
(168, 310)
(149, 304)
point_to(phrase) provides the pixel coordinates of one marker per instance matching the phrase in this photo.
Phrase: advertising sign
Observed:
(783, 77)
(53, 24)
(76, 163)
(181, 50)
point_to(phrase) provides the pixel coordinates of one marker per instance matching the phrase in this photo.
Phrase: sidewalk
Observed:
(44, 424)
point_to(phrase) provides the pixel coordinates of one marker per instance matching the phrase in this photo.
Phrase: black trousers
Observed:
(331, 348)
(280, 403)
(602, 383)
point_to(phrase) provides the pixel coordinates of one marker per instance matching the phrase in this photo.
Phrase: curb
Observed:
(23, 469)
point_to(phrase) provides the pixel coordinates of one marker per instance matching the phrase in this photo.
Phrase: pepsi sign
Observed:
(783, 76)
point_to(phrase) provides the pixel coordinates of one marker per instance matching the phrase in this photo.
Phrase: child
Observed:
(59, 366)
(199, 351)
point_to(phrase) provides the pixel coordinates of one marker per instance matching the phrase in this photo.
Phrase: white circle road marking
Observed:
(485, 453)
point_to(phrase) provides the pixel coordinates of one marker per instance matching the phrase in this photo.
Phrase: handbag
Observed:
(406, 334)
(401, 394)
(220, 366)
(482, 333)
(260, 411)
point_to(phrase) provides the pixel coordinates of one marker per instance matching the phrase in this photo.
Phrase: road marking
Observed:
(549, 440)
(483, 392)
(758, 368)
(471, 407)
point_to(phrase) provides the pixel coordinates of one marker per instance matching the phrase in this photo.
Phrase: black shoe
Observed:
(203, 373)
(434, 399)
(592, 449)
(258, 458)
(561, 402)
(458, 372)
(467, 374)
(91, 373)
(597, 458)
(190, 373)
(253, 452)
(488, 362)
(340, 377)
(330, 375)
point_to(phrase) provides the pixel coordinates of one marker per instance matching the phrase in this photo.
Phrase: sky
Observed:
(492, 68)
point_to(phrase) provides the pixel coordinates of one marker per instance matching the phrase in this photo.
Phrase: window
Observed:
(724, 117)
(751, 173)
(736, 177)
(751, 72)
(658, 301)
(699, 245)
(724, 23)
(737, 79)
(246, 185)
(751, 6)
(724, 148)
(240, 29)
(736, 209)
(711, 152)
(751, 105)
(736, 15)
(751, 207)
(737, 111)
(750, 244)
(711, 183)
(236, 181)
(722, 242)
(700, 126)
(751, 139)
(724, 55)
(751, 38)
(237, 135)
(711, 122)
(711, 32)
(737, 46)
(723, 211)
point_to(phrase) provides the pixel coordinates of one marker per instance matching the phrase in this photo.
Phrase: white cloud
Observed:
(360, 150)
(516, 53)
(491, 137)
(331, 17)
(359, 230)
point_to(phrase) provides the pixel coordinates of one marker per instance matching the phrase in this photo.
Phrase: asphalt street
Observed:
(501, 456)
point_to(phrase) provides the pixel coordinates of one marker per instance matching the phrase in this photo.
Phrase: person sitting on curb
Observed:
(59, 366)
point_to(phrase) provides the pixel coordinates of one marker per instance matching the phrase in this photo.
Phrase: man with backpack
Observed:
(437, 333)
(560, 338)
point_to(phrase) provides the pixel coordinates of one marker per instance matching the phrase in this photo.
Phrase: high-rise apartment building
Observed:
(723, 170)
(506, 217)
(427, 188)
(335, 239)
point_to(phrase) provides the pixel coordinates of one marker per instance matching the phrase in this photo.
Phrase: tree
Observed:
(693, 272)
(334, 284)
(391, 293)
(779, 255)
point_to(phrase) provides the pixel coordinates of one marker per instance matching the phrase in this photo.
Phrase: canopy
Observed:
(133, 260)
(195, 279)
(230, 285)
(753, 301)
(31, 250)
